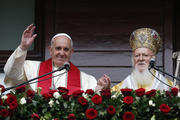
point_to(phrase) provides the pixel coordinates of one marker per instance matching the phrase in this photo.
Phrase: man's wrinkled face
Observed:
(61, 50)
(141, 58)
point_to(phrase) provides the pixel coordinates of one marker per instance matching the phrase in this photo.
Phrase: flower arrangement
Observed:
(127, 104)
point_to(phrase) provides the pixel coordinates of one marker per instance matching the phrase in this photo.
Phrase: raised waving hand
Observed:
(28, 37)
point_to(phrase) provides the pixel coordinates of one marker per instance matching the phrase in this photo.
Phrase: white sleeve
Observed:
(14, 66)
(88, 82)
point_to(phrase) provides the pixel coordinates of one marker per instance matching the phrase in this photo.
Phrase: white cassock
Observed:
(129, 82)
(18, 70)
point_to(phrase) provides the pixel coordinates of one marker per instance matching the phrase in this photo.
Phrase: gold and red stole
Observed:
(73, 80)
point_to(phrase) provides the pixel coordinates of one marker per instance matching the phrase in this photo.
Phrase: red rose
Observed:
(164, 108)
(63, 90)
(77, 93)
(71, 117)
(55, 119)
(128, 116)
(126, 91)
(89, 92)
(82, 101)
(35, 116)
(10, 99)
(1, 102)
(91, 113)
(52, 92)
(2, 89)
(151, 93)
(174, 91)
(47, 96)
(168, 94)
(140, 92)
(30, 93)
(21, 89)
(13, 105)
(96, 99)
(65, 96)
(106, 93)
(128, 100)
(111, 110)
(29, 100)
(4, 112)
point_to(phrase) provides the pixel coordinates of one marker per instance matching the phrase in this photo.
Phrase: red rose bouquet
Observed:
(57, 104)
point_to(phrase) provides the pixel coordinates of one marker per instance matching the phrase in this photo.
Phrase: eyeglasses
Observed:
(145, 56)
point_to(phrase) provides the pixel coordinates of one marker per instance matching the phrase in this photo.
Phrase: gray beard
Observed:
(142, 78)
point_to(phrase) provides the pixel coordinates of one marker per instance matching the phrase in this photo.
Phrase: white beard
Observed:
(142, 78)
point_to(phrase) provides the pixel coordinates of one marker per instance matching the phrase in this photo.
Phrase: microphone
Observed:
(65, 66)
(151, 63)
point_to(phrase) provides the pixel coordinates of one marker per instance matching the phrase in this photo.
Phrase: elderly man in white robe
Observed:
(145, 43)
(18, 69)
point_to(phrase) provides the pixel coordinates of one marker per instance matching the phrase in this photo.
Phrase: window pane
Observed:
(15, 17)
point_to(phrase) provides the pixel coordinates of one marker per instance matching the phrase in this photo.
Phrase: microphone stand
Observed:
(24, 83)
(176, 55)
(156, 68)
